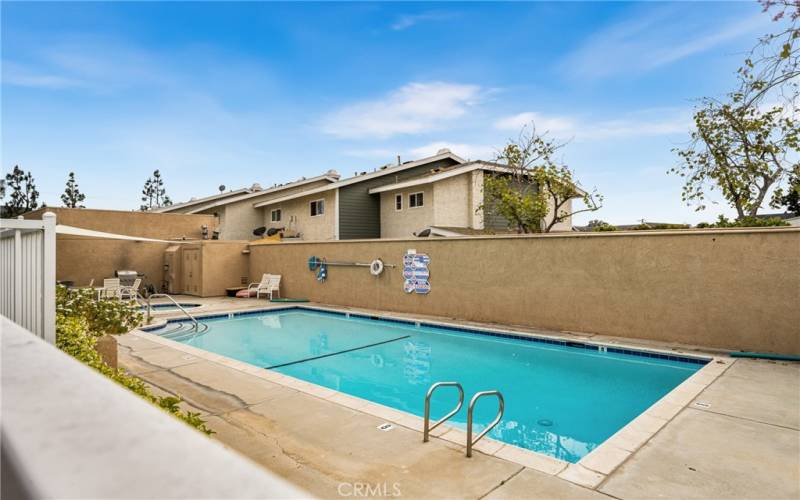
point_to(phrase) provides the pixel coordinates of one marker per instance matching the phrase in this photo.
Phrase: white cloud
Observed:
(660, 37)
(22, 76)
(467, 151)
(411, 109)
(409, 20)
(554, 124)
(653, 122)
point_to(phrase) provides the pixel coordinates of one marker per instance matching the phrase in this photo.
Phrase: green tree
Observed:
(531, 189)
(740, 150)
(154, 194)
(24, 196)
(72, 196)
(746, 144)
(789, 197)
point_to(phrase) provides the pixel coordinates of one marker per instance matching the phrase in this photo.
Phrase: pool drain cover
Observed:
(545, 422)
(385, 427)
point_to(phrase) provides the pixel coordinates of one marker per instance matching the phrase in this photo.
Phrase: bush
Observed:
(81, 320)
(604, 227)
(650, 226)
(723, 221)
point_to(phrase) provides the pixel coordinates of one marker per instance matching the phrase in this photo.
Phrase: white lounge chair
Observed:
(111, 289)
(253, 287)
(273, 287)
(268, 285)
(129, 292)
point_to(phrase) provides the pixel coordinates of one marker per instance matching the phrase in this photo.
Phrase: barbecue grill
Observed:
(127, 277)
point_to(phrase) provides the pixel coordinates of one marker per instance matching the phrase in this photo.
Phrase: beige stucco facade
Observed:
(566, 208)
(296, 216)
(452, 202)
(238, 219)
(405, 222)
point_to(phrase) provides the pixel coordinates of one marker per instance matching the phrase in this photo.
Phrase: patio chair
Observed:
(273, 286)
(268, 284)
(253, 287)
(129, 292)
(111, 289)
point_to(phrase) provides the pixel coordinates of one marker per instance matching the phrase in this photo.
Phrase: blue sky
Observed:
(236, 93)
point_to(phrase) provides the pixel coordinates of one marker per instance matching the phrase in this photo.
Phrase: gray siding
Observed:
(360, 212)
(493, 220)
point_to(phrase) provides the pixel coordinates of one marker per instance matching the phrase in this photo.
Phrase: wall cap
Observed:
(69, 432)
(598, 234)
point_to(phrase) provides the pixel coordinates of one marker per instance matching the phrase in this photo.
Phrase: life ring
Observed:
(376, 267)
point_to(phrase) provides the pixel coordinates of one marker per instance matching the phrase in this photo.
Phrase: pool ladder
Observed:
(427, 427)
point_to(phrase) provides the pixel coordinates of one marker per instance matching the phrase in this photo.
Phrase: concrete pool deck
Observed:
(741, 441)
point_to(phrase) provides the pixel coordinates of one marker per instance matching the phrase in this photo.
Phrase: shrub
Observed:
(81, 320)
(723, 221)
(645, 226)
(604, 227)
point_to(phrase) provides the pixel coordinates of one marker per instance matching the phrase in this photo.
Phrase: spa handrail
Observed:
(195, 323)
(500, 409)
(427, 427)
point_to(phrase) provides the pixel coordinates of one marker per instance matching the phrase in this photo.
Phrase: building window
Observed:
(415, 200)
(398, 202)
(275, 215)
(317, 208)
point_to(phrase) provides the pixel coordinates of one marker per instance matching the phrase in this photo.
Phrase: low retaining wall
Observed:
(730, 289)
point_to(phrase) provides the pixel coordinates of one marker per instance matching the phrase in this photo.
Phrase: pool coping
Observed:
(590, 471)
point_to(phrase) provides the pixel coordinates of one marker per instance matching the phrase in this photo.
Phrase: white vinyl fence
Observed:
(28, 271)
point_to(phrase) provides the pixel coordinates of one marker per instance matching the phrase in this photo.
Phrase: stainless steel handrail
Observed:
(475, 398)
(427, 428)
(149, 308)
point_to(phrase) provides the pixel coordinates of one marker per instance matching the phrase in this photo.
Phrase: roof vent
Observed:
(255, 187)
(443, 151)
(332, 173)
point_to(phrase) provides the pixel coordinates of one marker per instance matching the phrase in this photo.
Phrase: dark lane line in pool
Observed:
(335, 353)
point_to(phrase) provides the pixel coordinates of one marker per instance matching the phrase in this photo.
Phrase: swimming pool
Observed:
(561, 398)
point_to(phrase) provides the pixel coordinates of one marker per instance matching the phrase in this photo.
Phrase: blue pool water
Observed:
(562, 401)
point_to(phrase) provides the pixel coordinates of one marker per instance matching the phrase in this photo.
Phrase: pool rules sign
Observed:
(416, 275)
